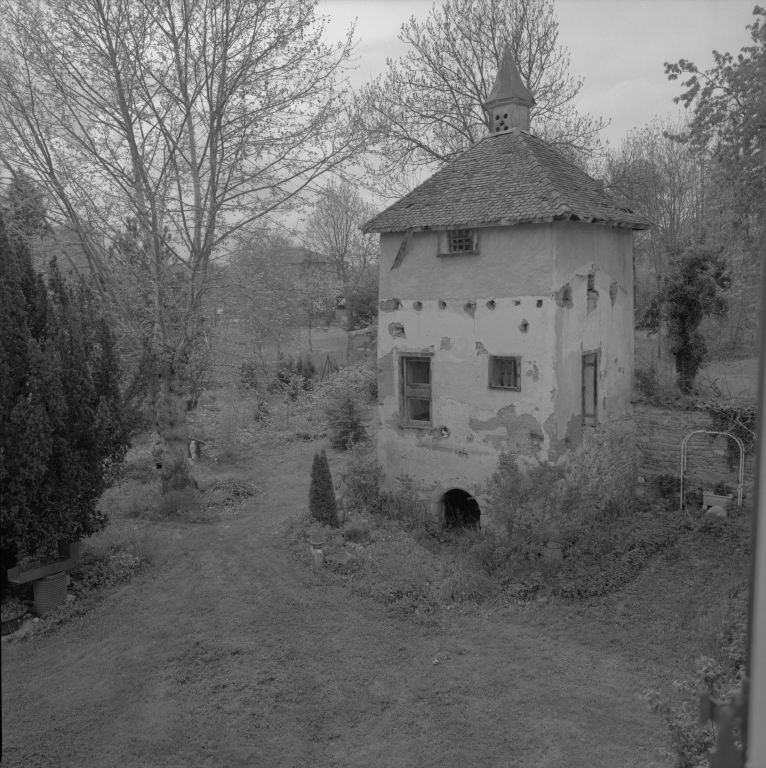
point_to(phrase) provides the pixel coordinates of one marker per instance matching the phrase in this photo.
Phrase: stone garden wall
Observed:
(660, 430)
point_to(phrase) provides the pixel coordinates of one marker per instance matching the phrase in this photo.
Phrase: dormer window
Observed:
(455, 242)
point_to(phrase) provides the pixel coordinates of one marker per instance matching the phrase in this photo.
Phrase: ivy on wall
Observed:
(740, 420)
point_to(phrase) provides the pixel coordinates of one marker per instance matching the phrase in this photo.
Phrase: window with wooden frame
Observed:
(590, 388)
(505, 373)
(455, 242)
(415, 408)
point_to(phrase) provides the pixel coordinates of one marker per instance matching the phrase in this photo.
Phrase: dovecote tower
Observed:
(506, 320)
(510, 101)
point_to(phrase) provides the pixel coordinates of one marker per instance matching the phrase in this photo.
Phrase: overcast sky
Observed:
(617, 46)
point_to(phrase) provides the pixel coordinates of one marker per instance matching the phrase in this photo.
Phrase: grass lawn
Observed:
(231, 651)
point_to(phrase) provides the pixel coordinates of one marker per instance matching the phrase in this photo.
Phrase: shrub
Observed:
(530, 503)
(261, 411)
(405, 573)
(248, 377)
(372, 387)
(646, 381)
(484, 555)
(139, 500)
(405, 508)
(175, 504)
(360, 478)
(667, 485)
(228, 490)
(464, 585)
(294, 374)
(227, 427)
(322, 504)
(692, 741)
(347, 425)
(358, 532)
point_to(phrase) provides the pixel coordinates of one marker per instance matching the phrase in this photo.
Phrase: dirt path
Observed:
(233, 654)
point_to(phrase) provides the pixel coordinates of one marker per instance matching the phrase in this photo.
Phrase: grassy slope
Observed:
(229, 652)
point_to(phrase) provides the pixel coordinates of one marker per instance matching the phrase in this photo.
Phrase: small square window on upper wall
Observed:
(454, 242)
(505, 373)
(460, 240)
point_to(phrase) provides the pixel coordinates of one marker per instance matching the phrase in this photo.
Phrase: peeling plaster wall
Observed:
(607, 252)
(480, 421)
(519, 268)
(514, 261)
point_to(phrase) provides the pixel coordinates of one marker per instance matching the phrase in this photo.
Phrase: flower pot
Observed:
(710, 499)
(552, 552)
(50, 592)
(12, 625)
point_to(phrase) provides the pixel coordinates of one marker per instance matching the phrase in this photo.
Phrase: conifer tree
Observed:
(63, 426)
(347, 425)
(322, 502)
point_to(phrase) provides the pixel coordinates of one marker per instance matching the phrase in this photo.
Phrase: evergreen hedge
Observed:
(63, 426)
(322, 504)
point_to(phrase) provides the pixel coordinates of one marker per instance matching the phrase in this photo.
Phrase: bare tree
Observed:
(194, 118)
(428, 108)
(259, 302)
(334, 231)
(664, 180)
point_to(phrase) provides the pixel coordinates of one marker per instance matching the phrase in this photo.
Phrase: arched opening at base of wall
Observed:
(461, 510)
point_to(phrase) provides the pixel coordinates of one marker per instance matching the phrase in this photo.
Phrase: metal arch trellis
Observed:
(741, 460)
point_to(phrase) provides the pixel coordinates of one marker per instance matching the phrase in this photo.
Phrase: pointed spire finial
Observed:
(509, 102)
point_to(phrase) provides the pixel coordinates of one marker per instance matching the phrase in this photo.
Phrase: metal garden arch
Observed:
(741, 460)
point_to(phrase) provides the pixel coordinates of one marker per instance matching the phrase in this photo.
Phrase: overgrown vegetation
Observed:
(398, 560)
(692, 291)
(346, 421)
(738, 418)
(322, 503)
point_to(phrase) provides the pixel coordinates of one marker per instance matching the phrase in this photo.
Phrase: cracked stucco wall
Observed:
(520, 269)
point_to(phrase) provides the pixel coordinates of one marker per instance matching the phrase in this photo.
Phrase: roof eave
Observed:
(623, 223)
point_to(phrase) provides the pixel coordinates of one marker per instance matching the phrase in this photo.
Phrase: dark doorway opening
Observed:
(461, 510)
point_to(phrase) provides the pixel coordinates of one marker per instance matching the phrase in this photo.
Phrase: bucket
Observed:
(50, 592)
(552, 552)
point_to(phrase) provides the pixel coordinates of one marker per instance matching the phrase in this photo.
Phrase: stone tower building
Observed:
(506, 318)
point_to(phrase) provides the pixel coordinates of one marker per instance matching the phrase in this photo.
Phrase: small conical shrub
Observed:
(347, 426)
(321, 493)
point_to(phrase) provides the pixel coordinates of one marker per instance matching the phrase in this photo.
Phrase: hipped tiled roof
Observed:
(511, 178)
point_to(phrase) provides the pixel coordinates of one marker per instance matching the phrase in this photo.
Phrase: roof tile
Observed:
(515, 178)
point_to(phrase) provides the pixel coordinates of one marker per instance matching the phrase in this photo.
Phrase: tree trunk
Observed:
(347, 297)
(171, 427)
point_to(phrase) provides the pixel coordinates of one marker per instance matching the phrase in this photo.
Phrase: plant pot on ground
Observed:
(12, 614)
(710, 499)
